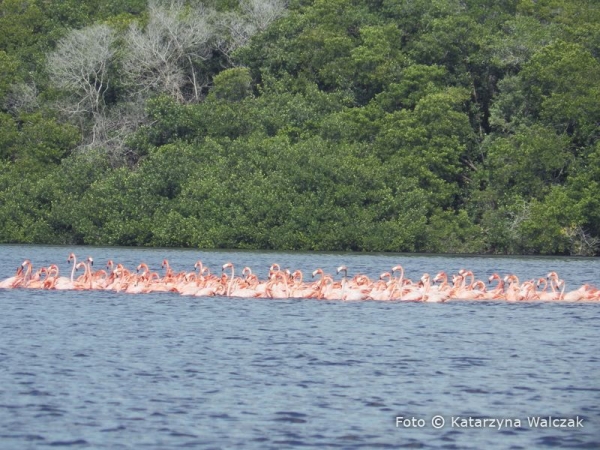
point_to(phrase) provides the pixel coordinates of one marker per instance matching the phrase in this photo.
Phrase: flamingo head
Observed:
(456, 279)
(342, 269)
(441, 276)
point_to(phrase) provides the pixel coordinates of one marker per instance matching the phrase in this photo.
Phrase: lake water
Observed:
(156, 371)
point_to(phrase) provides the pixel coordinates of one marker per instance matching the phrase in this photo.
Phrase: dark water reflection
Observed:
(107, 370)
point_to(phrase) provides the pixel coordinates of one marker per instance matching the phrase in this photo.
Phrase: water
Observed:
(108, 370)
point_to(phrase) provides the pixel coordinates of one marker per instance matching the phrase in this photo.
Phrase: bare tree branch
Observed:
(111, 129)
(236, 30)
(22, 97)
(261, 13)
(80, 64)
(161, 57)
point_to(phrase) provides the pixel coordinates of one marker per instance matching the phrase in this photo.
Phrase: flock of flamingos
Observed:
(392, 285)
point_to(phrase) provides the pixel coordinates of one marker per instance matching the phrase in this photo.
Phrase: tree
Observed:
(261, 13)
(563, 80)
(235, 28)
(80, 67)
(164, 57)
(8, 74)
(521, 37)
(232, 84)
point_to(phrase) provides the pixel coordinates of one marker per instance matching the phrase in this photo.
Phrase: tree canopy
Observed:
(385, 125)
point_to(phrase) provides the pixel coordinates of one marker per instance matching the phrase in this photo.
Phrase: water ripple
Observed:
(107, 370)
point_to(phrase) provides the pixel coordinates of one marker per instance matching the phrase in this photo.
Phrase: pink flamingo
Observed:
(230, 283)
(54, 281)
(14, 281)
(543, 292)
(430, 294)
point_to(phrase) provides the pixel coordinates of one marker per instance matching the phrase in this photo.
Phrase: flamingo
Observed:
(14, 281)
(585, 292)
(72, 259)
(379, 290)
(430, 294)
(27, 267)
(350, 292)
(283, 284)
(36, 281)
(85, 280)
(513, 291)
(442, 278)
(230, 284)
(400, 279)
(55, 281)
(299, 289)
(344, 269)
(325, 286)
(277, 286)
(463, 292)
(498, 291)
(543, 291)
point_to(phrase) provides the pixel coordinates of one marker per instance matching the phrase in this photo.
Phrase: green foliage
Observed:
(232, 84)
(22, 25)
(416, 82)
(391, 125)
(44, 141)
(520, 38)
(448, 232)
(536, 151)
(563, 79)
(20, 217)
(9, 69)
(35, 140)
(9, 137)
(429, 143)
(546, 227)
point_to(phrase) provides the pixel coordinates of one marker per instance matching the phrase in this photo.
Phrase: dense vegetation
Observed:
(371, 125)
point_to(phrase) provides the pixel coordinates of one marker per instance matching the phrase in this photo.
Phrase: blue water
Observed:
(156, 371)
